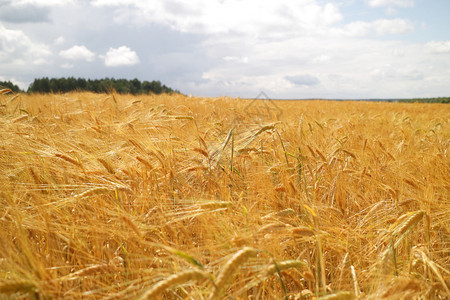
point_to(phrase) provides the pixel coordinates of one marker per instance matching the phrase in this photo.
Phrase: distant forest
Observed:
(106, 85)
(9, 85)
(426, 100)
(134, 86)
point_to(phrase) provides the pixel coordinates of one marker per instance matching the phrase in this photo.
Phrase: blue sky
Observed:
(288, 48)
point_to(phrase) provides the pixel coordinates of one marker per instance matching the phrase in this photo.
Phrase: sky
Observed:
(290, 49)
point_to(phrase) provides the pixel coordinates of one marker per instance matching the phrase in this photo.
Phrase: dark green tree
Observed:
(105, 85)
(9, 85)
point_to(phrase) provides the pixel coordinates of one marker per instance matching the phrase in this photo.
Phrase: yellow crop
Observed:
(120, 196)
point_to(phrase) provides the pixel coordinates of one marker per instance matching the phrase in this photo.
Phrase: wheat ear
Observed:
(284, 265)
(172, 280)
(410, 222)
(4, 91)
(132, 225)
(93, 191)
(301, 231)
(17, 286)
(92, 270)
(107, 165)
(69, 159)
(238, 259)
(344, 295)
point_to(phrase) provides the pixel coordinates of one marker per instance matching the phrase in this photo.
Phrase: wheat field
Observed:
(174, 197)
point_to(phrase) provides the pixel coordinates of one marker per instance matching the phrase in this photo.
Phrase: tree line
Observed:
(427, 100)
(9, 85)
(105, 85)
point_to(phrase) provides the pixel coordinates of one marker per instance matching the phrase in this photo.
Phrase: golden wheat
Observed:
(411, 221)
(175, 279)
(284, 265)
(69, 159)
(102, 196)
(19, 286)
(338, 296)
(225, 275)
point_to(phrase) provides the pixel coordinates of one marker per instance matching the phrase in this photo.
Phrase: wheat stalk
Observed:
(92, 270)
(215, 204)
(355, 281)
(433, 266)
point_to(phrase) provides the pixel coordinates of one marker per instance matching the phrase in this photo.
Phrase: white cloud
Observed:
(395, 26)
(122, 56)
(390, 3)
(43, 2)
(379, 27)
(251, 17)
(243, 59)
(78, 53)
(438, 47)
(390, 72)
(321, 59)
(17, 47)
(60, 40)
(238, 48)
(67, 66)
(357, 28)
(397, 52)
(328, 67)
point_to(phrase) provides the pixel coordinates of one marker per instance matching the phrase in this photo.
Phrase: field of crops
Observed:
(174, 197)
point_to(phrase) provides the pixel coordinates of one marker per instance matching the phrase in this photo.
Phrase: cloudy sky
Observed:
(287, 48)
